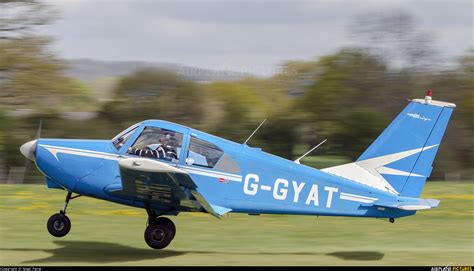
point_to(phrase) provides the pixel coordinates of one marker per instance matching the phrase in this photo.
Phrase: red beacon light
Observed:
(429, 94)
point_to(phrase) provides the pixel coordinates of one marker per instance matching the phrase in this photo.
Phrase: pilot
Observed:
(165, 148)
(162, 150)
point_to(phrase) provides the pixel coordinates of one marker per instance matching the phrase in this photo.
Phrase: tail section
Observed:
(400, 159)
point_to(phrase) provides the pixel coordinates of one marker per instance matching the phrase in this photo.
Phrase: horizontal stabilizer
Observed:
(409, 204)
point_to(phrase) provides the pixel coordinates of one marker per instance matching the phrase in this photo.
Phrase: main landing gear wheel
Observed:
(165, 220)
(160, 233)
(59, 225)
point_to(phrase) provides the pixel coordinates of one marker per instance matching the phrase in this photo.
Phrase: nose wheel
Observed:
(59, 224)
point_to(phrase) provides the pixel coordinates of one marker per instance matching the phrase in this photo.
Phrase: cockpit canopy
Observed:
(167, 144)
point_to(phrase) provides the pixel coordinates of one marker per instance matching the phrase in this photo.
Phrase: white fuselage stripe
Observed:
(356, 199)
(211, 171)
(81, 151)
(213, 174)
(357, 196)
(54, 150)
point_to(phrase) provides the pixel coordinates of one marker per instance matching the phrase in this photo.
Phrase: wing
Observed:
(155, 182)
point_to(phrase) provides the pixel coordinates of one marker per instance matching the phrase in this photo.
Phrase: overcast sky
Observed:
(248, 36)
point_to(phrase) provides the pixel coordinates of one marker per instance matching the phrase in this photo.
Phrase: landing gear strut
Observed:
(160, 230)
(59, 224)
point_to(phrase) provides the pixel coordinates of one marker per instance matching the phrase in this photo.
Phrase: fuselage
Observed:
(246, 179)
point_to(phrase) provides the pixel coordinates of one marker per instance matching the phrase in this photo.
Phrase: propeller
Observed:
(28, 150)
(38, 132)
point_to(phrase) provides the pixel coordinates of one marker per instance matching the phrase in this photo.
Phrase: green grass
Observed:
(111, 234)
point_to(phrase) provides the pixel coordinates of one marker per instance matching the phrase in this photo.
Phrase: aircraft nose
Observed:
(28, 149)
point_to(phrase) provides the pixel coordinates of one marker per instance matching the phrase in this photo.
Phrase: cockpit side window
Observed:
(155, 142)
(204, 153)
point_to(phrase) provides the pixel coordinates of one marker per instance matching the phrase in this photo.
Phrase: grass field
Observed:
(104, 233)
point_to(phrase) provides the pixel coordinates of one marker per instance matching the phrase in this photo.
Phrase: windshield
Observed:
(120, 139)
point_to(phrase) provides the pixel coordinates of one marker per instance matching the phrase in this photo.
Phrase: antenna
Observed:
(302, 156)
(254, 132)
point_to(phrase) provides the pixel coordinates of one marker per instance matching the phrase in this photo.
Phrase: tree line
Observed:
(348, 97)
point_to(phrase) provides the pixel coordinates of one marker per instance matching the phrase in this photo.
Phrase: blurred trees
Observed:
(19, 18)
(356, 130)
(31, 78)
(348, 97)
(394, 36)
(465, 74)
(344, 77)
(343, 100)
(30, 75)
(239, 107)
(3, 124)
(154, 94)
(236, 110)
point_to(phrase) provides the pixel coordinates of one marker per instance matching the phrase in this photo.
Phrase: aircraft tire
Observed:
(59, 225)
(158, 235)
(165, 220)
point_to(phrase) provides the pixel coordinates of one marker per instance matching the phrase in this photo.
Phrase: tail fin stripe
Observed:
(391, 171)
(376, 162)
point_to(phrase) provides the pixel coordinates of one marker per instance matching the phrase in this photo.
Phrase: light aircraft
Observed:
(166, 169)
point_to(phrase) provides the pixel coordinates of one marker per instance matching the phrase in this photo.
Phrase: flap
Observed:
(155, 182)
(215, 210)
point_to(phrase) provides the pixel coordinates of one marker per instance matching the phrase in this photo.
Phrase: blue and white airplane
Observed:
(167, 168)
